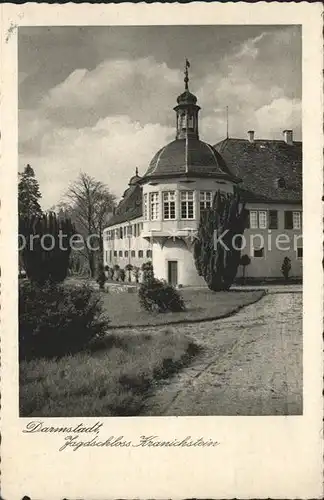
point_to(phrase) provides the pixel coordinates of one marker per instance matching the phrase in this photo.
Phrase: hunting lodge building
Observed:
(159, 213)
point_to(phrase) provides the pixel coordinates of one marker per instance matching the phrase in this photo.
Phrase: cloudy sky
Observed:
(100, 99)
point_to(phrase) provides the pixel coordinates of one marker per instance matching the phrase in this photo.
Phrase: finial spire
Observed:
(186, 79)
(136, 171)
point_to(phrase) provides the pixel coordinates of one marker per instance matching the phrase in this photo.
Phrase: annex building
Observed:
(159, 212)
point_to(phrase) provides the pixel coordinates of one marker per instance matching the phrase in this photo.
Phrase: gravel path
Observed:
(251, 364)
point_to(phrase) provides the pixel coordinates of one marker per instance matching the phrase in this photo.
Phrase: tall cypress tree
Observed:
(216, 250)
(28, 194)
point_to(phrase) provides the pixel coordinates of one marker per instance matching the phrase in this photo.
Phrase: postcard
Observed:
(162, 312)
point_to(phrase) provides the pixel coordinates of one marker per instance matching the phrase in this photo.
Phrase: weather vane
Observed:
(186, 79)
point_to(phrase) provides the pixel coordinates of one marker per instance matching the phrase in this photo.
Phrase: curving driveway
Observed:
(251, 364)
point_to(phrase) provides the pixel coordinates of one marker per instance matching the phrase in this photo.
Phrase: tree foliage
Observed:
(28, 194)
(286, 267)
(46, 250)
(245, 261)
(56, 320)
(220, 230)
(89, 202)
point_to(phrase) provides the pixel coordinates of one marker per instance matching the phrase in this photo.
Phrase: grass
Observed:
(112, 381)
(123, 309)
(116, 377)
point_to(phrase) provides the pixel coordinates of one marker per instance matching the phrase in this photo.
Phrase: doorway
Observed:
(173, 272)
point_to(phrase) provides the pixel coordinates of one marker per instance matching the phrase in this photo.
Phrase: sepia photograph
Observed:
(161, 251)
(160, 220)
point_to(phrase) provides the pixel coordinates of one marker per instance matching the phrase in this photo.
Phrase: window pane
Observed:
(169, 205)
(300, 252)
(296, 220)
(133, 253)
(145, 206)
(187, 211)
(166, 211)
(253, 219)
(262, 219)
(154, 198)
(140, 254)
(172, 210)
(183, 210)
(190, 210)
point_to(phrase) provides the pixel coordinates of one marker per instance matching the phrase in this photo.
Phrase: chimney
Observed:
(251, 135)
(288, 135)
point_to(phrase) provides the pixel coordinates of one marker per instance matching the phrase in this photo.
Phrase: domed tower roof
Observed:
(187, 154)
(135, 179)
(188, 157)
(186, 98)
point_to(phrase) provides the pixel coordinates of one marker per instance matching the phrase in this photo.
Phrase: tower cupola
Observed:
(187, 111)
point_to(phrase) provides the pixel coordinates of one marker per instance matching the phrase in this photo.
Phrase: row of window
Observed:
(126, 254)
(258, 219)
(259, 252)
(125, 231)
(151, 208)
(268, 219)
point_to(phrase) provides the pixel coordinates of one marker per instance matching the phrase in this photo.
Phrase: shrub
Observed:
(122, 275)
(55, 320)
(129, 268)
(116, 272)
(244, 262)
(286, 267)
(136, 273)
(101, 279)
(148, 273)
(157, 296)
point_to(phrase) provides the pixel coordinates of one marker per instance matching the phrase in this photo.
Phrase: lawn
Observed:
(116, 377)
(123, 309)
(112, 381)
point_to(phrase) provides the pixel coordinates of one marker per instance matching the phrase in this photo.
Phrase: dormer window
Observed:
(281, 183)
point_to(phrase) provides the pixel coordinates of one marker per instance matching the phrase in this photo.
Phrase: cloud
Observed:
(109, 151)
(141, 88)
(280, 114)
(110, 117)
(250, 47)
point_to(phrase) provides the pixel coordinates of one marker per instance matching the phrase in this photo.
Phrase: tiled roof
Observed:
(192, 158)
(260, 165)
(129, 208)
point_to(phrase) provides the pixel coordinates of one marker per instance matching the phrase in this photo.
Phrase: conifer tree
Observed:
(217, 247)
(28, 194)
